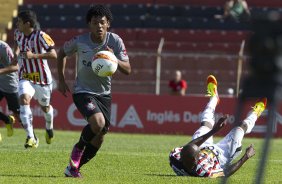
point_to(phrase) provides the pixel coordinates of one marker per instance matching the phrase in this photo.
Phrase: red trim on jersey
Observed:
(40, 60)
(31, 61)
(35, 62)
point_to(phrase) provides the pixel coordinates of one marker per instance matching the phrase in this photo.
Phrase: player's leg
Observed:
(87, 134)
(91, 149)
(207, 123)
(43, 95)
(14, 106)
(207, 118)
(26, 92)
(96, 124)
(3, 116)
(49, 121)
(232, 142)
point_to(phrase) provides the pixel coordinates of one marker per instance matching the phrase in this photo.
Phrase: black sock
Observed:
(4, 118)
(86, 136)
(89, 152)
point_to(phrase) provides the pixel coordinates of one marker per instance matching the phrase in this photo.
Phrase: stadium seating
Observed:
(258, 3)
(195, 42)
(8, 9)
(90, 2)
(136, 15)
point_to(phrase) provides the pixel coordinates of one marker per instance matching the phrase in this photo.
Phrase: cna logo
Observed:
(130, 117)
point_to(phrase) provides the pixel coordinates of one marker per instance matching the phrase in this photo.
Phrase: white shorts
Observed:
(41, 93)
(223, 148)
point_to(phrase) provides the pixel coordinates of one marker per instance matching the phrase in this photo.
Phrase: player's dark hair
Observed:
(99, 11)
(28, 16)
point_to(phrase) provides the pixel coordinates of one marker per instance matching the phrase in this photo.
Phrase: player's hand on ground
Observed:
(63, 88)
(220, 123)
(250, 151)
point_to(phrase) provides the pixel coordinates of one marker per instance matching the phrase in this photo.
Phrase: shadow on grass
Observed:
(162, 175)
(31, 176)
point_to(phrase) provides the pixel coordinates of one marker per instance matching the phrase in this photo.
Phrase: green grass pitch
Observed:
(124, 158)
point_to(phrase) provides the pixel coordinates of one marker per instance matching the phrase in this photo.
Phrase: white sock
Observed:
(26, 118)
(250, 121)
(208, 113)
(237, 137)
(49, 116)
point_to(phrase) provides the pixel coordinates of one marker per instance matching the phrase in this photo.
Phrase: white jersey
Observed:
(87, 81)
(223, 149)
(9, 82)
(35, 70)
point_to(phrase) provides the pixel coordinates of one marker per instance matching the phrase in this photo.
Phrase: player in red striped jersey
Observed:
(201, 157)
(33, 48)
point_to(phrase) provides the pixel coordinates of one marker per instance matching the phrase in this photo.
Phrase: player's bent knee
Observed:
(25, 99)
(244, 126)
(45, 108)
(238, 151)
(97, 122)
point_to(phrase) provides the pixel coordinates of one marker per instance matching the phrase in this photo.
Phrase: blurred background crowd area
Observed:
(195, 42)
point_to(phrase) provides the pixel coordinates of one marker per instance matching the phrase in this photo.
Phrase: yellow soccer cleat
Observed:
(12, 119)
(31, 143)
(260, 106)
(212, 87)
(9, 126)
(0, 138)
(49, 136)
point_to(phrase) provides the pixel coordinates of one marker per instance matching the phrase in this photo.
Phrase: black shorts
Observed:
(89, 104)
(12, 101)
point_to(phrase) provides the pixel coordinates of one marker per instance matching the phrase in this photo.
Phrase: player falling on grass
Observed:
(9, 85)
(92, 94)
(33, 48)
(202, 157)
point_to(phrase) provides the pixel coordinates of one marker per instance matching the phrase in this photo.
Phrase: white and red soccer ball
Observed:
(104, 63)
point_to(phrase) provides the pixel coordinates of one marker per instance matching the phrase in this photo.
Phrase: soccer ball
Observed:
(104, 64)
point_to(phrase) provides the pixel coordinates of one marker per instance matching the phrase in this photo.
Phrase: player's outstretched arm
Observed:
(51, 54)
(250, 152)
(218, 126)
(9, 69)
(124, 67)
